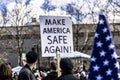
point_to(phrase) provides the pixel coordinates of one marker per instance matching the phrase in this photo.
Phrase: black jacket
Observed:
(50, 76)
(26, 74)
(67, 76)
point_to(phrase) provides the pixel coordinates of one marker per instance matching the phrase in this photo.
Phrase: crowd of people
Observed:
(28, 71)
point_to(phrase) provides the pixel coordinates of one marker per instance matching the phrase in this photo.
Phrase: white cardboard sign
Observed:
(56, 35)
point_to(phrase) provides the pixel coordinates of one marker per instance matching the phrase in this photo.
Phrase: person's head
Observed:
(53, 65)
(5, 71)
(31, 57)
(66, 65)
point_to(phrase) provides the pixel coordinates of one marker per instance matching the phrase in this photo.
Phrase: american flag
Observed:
(103, 62)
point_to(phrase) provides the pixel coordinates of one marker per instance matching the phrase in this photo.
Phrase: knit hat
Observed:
(66, 64)
(31, 57)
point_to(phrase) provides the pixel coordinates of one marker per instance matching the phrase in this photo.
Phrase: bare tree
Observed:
(92, 8)
(18, 17)
(20, 14)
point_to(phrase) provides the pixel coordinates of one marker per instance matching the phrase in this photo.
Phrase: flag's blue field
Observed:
(104, 65)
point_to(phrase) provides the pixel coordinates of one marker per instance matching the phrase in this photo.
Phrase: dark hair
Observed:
(31, 57)
(53, 65)
(5, 71)
(66, 64)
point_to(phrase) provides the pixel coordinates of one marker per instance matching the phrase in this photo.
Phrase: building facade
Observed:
(15, 40)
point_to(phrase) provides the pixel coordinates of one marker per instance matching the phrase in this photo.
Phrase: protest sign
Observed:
(56, 35)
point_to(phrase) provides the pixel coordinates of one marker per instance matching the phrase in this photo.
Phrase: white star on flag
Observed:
(105, 63)
(111, 46)
(108, 72)
(96, 68)
(99, 77)
(104, 30)
(99, 44)
(117, 65)
(108, 38)
(96, 35)
(101, 21)
(93, 59)
(102, 53)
